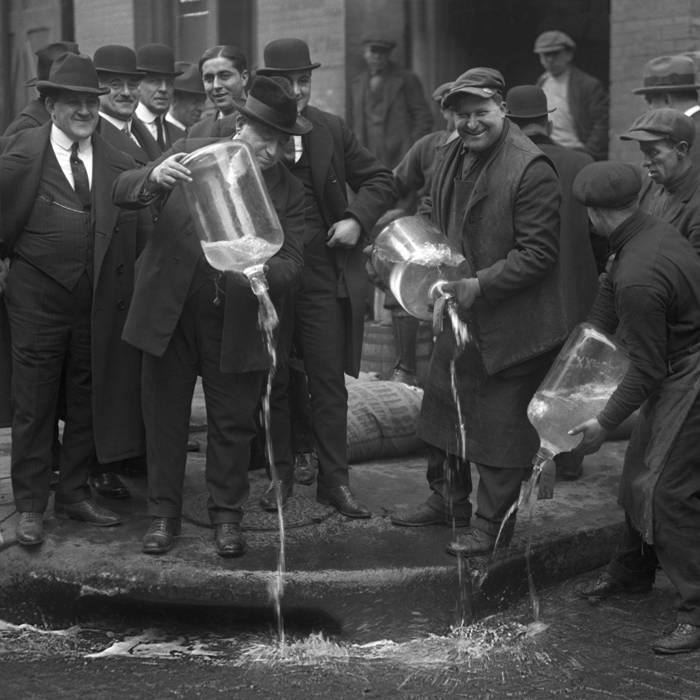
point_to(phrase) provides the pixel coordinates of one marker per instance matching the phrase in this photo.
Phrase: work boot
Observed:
(228, 540)
(471, 543)
(30, 529)
(305, 467)
(606, 585)
(268, 501)
(683, 638)
(424, 515)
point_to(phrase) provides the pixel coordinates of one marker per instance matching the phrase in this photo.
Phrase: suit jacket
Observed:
(34, 114)
(167, 267)
(142, 154)
(119, 237)
(407, 115)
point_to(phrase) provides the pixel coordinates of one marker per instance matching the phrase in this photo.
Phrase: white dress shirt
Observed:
(62, 144)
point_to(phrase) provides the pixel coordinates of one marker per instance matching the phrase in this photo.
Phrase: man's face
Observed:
(187, 107)
(556, 62)
(662, 159)
(123, 96)
(376, 58)
(156, 92)
(478, 120)
(74, 113)
(267, 143)
(223, 83)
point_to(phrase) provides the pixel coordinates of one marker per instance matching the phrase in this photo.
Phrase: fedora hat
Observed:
(72, 72)
(526, 102)
(668, 74)
(46, 55)
(156, 58)
(285, 56)
(272, 104)
(190, 81)
(114, 58)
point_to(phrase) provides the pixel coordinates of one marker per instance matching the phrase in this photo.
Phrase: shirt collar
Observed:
(121, 124)
(169, 118)
(145, 114)
(62, 140)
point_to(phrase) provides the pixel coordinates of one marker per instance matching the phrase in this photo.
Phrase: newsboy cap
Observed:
(46, 55)
(668, 74)
(553, 40)
(607, 184)
(482, 82)
(662, 123)
(74, 73)
(286, 56)
(527, 102)
(381, 41)
(440, 91)
(117, 59)
(156, 58)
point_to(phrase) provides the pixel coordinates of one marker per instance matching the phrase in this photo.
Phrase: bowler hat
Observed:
(114, 58)
(46, 55)
(190, 80)
(75, 73)
(607, 184)
(271, 102)
(527, 102)
(553, 40)
(379, 41)
(662, 123)
(440, 91)
(285, 56)
(668, 74)
(156, 58)
(482, 82)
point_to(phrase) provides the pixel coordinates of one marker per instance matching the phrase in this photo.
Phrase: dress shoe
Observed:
(342, 499)
(684, 637)
(88, 511)
(30, 529)
(471, 543)
(268, 501)
(159, 536)
(228, 540)
(606, 585)
(109, 485)
(305, 467)
(424, 515)
(403, 376)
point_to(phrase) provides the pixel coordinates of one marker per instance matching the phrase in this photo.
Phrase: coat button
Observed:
(116, 229)
(121, 305)
(155, 218)
(120, 269)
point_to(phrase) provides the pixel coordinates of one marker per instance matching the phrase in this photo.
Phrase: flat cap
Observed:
(553, 40)
(662, 123)
(607, 184)
(440, 91)
(483, 82)
(381, 41)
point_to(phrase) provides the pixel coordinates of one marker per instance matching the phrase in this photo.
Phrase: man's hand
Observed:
(371, 270)
(4, 271)
(465, 291)
(170, 172)
(344, 233)
(594, 435)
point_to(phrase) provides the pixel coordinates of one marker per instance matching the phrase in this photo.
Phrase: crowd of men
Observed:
(109, 311)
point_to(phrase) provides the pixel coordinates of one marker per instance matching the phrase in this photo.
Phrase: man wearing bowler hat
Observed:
(190, 319)
(650, 300)
(34, 113)
(327, 317)
(157, 63)
(581, 102)
(388, 112)
(70, 281)
(188, 98)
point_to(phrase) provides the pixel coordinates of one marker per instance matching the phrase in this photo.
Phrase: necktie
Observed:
(160, 138)
(80, 177)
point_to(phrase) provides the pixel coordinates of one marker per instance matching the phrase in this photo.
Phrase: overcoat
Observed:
(142, 154)
(34, 114)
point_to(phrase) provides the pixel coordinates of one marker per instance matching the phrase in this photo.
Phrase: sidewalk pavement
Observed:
(339, 571)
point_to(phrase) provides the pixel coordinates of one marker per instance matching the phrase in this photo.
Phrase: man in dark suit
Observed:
(190, 319)
(34, 113)
(70, 282)
(188, 98)
(329, 309)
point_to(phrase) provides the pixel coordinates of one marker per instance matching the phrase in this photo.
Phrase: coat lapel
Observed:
(318, 145)
(104, 171)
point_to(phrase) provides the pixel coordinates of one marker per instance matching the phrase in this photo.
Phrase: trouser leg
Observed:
(405, 329)
(498, 490)
(449, 478)
(280, 426)
(634, 561)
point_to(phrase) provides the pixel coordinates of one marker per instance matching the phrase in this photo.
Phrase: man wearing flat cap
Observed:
(581, 102)
(650, 300)
(669, 81)
(70, 282)
(672, 189)
(496, 197)
(188, 98)
(388, 110)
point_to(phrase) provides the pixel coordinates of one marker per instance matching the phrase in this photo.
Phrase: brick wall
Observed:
(101, 22)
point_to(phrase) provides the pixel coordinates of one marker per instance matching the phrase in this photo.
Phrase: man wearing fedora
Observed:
(34, 113)
(188, 98)
(388, 110)
(581, 102)
(669, 81)
(156, 62)
(190, 319)
(70, 282)
(118, 125)
(327, 313)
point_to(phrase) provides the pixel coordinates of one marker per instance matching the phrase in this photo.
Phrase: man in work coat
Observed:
(70, 282)
(650, 299)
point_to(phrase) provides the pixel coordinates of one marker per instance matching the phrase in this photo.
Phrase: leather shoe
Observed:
(471, 543)
(228, 540)
(342, 499)
(305, 467)
(88, 511)
(424, 515)
(159, 536)
(30, 529)
(606, 585)
(268, 501)
(109, 485)
(684, 637)
(403, 376)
